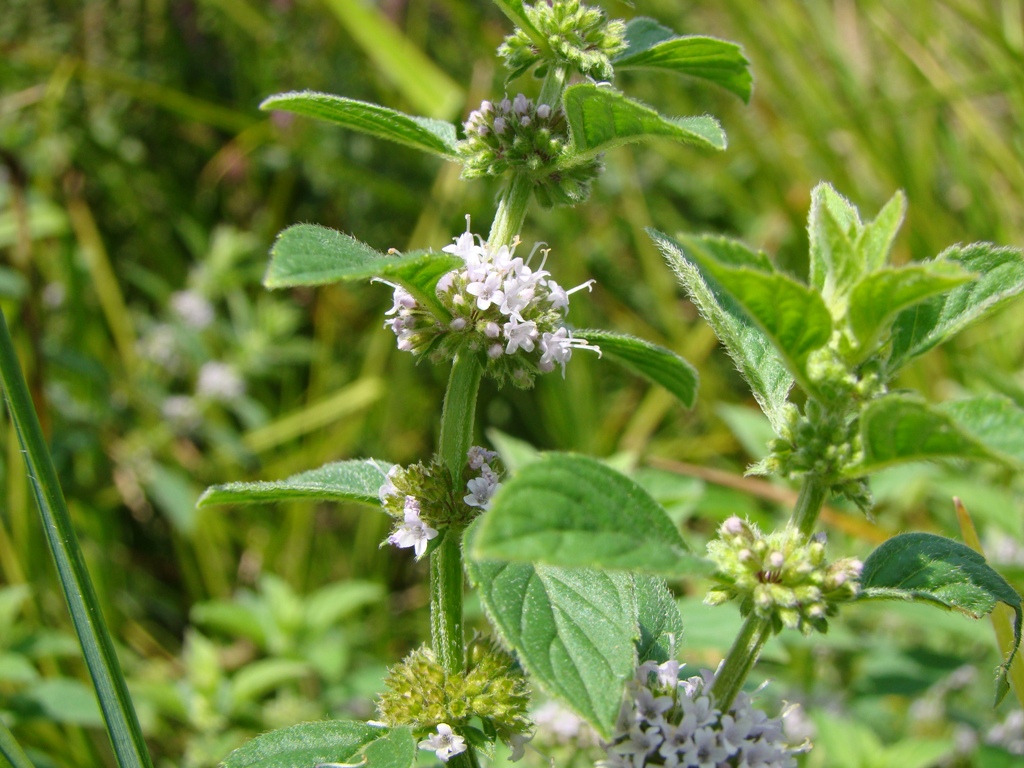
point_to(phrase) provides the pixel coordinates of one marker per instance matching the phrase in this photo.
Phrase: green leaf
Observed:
(750, 349)
(791, 315)
(86, 615)
(654, 363)
(661, 624)
(881, 295)
(258, 678)
(308, 254)
(434, 136)
(899, 428)
(573, 630)
(333, 741)
(930, 568)
(515, 11)
(11, 750)
(353, 480)
(719, 61)
(1000, 277)
(573, 511)
(833, 227)
(877, 236)
(601, 118)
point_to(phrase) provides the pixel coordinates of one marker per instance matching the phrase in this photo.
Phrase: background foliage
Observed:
(135, 166)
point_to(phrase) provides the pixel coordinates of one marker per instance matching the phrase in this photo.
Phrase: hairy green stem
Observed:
(508, 221)
(457, 416)
(740, 660)
(553, 86)
(809, 504)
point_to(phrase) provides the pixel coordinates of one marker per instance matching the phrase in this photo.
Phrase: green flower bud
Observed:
(780, 576)
(578, 37)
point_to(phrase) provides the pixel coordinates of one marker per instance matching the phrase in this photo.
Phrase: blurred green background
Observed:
(140, 189)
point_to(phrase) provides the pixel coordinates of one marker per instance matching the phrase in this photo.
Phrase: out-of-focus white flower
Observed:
(219, 381)
(194, 309)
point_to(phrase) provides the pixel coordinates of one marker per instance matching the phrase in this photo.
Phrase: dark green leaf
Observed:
(573, 511)
(900, 428)
(791, 315)
(573, 630)
(1000, 277)
(654, 363)
(750, 349)
(922, 566)
(719, 61)
(335, 741)
(601, 118)
(881, 295)
(661, 625)
(434, 136)
(353, 480)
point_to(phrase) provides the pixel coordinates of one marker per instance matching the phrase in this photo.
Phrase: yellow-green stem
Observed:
(809, 504)
(508, 221)
(740, 660)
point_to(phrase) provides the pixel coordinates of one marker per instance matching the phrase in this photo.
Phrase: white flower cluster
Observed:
(499, 305)
(412, 532)
(670, 722)
(482, 488)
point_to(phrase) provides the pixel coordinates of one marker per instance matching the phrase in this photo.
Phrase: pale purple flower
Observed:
(413, 532)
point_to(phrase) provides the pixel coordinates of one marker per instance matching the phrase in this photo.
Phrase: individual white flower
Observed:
(444, 743)
(520, 335)
(482, 488)
(181, 411)
(194, 309)
(388, 488)
(219, 381)
(413, 532)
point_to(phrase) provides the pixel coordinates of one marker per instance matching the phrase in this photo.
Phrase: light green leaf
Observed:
(654, 363)
(601, 118)
(881, 295)
(396, 749)
(353, 480)
(333, 741)
(231, 619)
(877, 236)
(308, 254)
(833, 227)
(719, 61)
(427, 135)
(573, 630)
(900, 428)
(1001, 276)
(661, 624)
(926, 567)
(751, 351)
(334, 602)
(258, 678)
(573, 511)
(515, 11)
(791, 315)
(65, 700)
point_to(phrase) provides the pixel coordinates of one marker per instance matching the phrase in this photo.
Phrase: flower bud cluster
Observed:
(819, 443)
(422, 500)
(780, 576)
(419, 693)
(578, 36)
(520, 136)
(667, 721)
(500, 307)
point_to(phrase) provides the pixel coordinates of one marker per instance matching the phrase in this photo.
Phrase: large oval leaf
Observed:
(934, 569)
(573, 511)
(353, 480)
(332, 742)
(573, 630)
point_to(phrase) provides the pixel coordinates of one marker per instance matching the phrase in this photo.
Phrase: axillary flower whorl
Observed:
(500, 306)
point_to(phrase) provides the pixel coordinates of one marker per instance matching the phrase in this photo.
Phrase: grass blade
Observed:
(11, 750)
(97, 647)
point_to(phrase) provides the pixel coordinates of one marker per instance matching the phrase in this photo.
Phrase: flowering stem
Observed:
(508, 221)
(740, 660)
(458, 413)
(809, 504)
(552, 87)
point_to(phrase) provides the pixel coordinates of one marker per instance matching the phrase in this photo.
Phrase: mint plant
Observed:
(568, 555)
